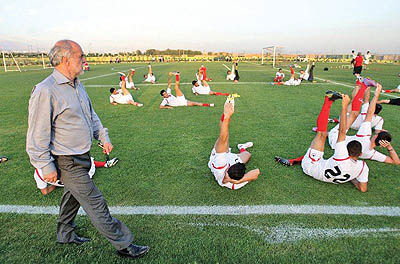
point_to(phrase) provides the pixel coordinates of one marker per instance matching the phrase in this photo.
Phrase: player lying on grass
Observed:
(128, 83)
(344, 165)
(203, 72)
(229, 168)
(308, 74)
(365, 138)
(233, 75)
(279, 76)
(150, 76)
(122, 96)
(397, 90)
(47, 188)
(292, 81)
(171, 101)
(200, 86)
(376, 122)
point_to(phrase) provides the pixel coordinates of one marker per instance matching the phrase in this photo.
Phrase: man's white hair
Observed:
(62, 48)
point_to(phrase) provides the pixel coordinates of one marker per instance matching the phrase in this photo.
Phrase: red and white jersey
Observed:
(339, 168)
(376, 122)
(172, 100)
(280, 75)
(219, 163)
(364, 137)
(201, 89)
(120, 98)
(304, 76)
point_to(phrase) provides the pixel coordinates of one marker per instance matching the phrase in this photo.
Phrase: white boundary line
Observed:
(165, 84)
(332, 82)
(108, 74)
(221, 210)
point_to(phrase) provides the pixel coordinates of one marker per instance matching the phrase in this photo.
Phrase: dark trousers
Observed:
(394, 101)
(236, 75)
(80, 190)
(311, 76)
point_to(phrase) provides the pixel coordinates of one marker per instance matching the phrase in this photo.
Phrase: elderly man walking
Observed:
(62, 124)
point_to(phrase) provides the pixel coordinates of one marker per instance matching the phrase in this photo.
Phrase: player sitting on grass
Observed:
(122, 96)
(395, 101)
(171, 101)
(229, 168)
(344, 165)
(150, 76)
(365, 138)
(201, 86)
(233, 75)
(308, 74)
(128, 83)
(47, 188)
(397, 90)
(279, 76)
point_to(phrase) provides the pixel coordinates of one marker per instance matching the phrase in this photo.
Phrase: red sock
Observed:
(133, 73)
(204, 73)
(358, 98)
(336, 120)
(222, 118)
(388, 91)
(242, 150)
(297, 160)
(322, 120)
(99, 164)
(205, 104)
(218, 93)
(291, 70)
(177, 77)
(123, 78)
(278, 83)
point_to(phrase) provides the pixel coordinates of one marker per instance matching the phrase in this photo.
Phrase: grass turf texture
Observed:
(164, 153)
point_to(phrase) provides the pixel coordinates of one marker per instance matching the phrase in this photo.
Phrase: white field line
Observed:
(285, 234)
(108, 74)
(165, 84)
(332, 82)
(222, 210)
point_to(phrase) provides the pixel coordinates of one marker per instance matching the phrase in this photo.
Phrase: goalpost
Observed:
(7, 56)
(271, 54)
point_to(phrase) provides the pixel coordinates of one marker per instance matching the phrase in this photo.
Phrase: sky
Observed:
(243, 26)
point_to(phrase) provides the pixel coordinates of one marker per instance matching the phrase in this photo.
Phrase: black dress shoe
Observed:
(77, 240)
(134, 251)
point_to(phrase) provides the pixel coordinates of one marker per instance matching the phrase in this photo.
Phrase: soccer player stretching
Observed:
(344, 165)
(229, 168)
(200, 86)
(171, 101)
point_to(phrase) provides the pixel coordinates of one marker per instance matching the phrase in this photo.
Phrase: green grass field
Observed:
(163, 161)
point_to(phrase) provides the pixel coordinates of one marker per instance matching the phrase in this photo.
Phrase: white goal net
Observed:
(272, 55)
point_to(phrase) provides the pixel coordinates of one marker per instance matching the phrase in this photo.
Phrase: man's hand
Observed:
(345, 100)
(107, 148)
(385, 144)
(228, 110)
(51, 177)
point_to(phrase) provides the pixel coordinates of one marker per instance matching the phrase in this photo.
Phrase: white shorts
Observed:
(130, 85)
(333, 136)
(125, 99)
(180, 101)
(313, 163)
(203, 89)
(150, 78)
(230, 77)
(293, 82)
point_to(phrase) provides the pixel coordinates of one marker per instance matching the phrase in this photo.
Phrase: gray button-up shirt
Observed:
(61, 121)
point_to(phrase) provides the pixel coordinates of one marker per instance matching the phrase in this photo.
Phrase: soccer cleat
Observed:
(332, 120)
(176, 73)
(121, 73)
(3, 159)
(314, 129)
(283, 161)
(139, 105)
(245, 145)
(333, 96)
(111, 162)
(211, 105)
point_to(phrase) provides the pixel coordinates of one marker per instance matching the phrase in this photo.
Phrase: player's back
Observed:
(344, 170)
